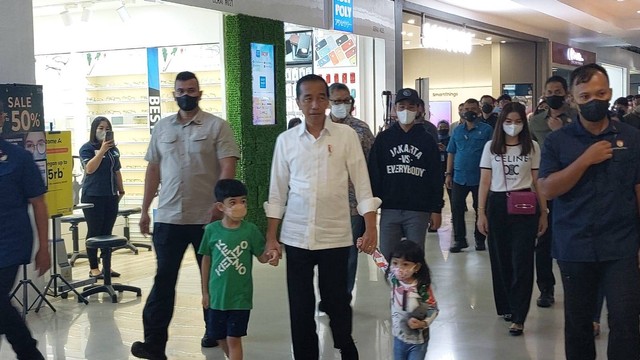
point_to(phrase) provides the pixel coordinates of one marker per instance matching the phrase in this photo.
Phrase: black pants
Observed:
(170, 243)
(11, 323)
(544, 263)
(620, 280)
(332, 281)
(100, 220)
(458, 203)
(511, 248)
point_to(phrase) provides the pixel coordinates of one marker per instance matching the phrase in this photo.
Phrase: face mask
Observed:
(497, 110)
(487, 108)
(621, 113)
(100, 135)
(512, 129)
(470, 116)
(402, 274)
(406, 117)
(443, 132)
(595, 110)
(340, 111)
(555, 102)
(236, 212)
(187, 103)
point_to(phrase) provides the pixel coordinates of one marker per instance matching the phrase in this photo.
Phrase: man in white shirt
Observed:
(311, 167)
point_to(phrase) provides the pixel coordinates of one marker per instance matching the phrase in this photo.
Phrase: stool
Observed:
(125, 213)
(74, 220)
(105, 243)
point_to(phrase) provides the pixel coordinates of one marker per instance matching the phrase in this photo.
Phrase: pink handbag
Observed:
(519, 202)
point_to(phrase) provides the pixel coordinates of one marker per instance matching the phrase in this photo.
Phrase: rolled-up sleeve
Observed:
(359, 175)
(279, 183)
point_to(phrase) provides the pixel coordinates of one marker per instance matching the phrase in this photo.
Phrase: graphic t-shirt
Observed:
(405, 298)
(231, 251)
(517, 168)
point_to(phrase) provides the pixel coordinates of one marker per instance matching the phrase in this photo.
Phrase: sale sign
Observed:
(59, 173)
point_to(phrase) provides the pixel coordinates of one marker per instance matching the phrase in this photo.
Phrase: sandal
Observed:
(516, 329)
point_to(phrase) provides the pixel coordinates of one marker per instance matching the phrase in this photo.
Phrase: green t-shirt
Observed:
(231, 250)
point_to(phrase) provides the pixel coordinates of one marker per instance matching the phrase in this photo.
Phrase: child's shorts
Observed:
(223, 323)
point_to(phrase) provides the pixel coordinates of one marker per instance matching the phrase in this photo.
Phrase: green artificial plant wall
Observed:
(256, 142)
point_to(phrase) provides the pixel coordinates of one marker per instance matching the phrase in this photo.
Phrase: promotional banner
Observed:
(59, 173)
(24, 125)
(153, 77)
(263, 78)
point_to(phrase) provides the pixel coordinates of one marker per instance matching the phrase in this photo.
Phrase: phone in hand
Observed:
(108, 135)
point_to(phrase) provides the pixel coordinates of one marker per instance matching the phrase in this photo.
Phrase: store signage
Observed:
(59, 173)
(447, 39)
(343, 15)
(566, 55)
(153, 79)
(263, 84)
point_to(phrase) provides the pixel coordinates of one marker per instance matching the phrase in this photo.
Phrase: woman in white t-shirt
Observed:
(511, 157)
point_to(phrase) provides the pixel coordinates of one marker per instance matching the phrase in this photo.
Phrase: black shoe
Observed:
(546, 299)
(141, 350)
(349, 352)
(516, 329)
(480, 246)
(432, 230)
(115, 274)
(507, 317)
(208, 343)
(457, 247)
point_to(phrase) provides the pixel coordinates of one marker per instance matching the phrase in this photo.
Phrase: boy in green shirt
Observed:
(227, 250)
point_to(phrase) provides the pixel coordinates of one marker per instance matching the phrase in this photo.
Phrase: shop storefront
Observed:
(462, 58)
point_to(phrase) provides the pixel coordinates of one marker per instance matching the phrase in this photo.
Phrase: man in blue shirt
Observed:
(591, 168)
(21, 185)
(463, 162)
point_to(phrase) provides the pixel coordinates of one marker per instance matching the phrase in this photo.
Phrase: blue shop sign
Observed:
(343, 15)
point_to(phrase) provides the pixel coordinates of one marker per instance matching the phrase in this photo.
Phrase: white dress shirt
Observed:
(309, 186)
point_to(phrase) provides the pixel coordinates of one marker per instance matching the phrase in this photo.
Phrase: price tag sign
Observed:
(23, 109)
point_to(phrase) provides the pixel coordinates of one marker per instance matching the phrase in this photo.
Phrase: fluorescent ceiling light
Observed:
(411, 21)
(445, 38)
(488, 38)
(502, 41)
(123, 13)
(403, 33)
(66, 18)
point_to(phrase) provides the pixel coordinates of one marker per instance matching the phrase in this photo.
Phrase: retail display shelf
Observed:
(118, 87)
(138, 101)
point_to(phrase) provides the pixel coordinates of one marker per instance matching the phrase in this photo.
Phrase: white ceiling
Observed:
(590, 23)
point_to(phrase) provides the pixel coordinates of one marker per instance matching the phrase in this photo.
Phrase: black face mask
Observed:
(555, 102)
(487, 108)
(470, 116)
(186, 102)
(595, 110)
(443, 132)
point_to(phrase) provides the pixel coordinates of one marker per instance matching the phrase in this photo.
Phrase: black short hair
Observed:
(227, 188)
(309, 78)
(584, 74)
(294, 122)
(187, 75)
(558, 79)
(504, 97)
(636, 97)
(621, 101)
(488, 96)
(471, 101)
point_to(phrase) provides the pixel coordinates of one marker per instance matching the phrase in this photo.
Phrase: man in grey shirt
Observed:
(188, 153)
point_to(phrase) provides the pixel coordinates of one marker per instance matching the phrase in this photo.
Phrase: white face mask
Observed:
(100, 134)
(512, 129)
(406, 117)
(340, 111)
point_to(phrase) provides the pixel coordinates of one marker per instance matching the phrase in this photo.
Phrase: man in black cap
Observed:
(404, 166)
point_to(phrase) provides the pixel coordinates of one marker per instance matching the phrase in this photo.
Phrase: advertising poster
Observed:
(24, 120)
(263, 84)
(335, 49)
(438, 111)
(59, 173)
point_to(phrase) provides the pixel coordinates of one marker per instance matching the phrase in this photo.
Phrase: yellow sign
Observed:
(59, 173)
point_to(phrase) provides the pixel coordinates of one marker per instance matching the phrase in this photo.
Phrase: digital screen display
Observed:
(263, 84)
(438, 111)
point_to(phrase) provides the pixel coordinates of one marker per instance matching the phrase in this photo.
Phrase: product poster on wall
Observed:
(59, 171)
(24, 125)
(298, 47)
(335, 49)
(263, 84)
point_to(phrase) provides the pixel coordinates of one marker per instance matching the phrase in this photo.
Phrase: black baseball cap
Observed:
(408, 94)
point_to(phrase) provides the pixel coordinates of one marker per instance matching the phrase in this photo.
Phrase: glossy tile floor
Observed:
(467, 327)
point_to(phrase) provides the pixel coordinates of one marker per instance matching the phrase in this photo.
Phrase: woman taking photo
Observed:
(102, 185)
(509, 164)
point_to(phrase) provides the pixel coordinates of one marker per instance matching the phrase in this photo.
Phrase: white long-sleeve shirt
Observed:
(309, 186)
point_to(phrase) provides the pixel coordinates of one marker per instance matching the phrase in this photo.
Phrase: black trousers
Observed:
(511, 248)
(620, 280)
(170, 243)
(332, 281)
(458, 203)
(11, 323)
(100, 220)
(544, 263)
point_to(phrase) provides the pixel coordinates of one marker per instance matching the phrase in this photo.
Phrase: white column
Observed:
(17, 61)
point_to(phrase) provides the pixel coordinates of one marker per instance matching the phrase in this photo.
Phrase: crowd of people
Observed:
(562, 181)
